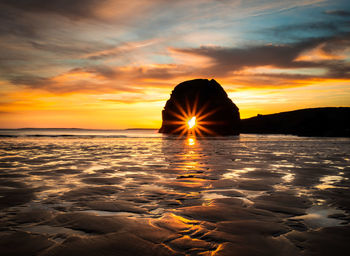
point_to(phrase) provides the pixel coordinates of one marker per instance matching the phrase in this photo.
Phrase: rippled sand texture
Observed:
(252, 195)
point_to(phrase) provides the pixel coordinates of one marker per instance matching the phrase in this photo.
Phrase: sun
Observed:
(191, 120)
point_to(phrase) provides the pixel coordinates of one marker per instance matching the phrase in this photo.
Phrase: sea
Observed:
(139, 192)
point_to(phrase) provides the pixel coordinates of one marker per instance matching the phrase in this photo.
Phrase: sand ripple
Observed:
(252, 195)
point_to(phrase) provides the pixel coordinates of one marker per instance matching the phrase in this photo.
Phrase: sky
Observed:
(112, 64)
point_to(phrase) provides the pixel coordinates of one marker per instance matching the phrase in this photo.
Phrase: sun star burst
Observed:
(191, 120)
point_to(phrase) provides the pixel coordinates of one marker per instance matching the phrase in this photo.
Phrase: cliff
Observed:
(332, 122)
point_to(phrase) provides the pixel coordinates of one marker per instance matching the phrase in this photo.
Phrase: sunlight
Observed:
(191, 141)
(191, 119)
(192, 122)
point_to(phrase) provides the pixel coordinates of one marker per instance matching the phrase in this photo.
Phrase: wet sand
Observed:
(247, 195)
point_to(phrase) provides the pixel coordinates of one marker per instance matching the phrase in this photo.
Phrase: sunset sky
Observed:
(112, 64)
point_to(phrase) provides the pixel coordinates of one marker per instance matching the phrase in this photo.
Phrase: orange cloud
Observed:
(319, 54)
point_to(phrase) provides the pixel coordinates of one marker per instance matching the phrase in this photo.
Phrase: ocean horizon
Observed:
(78, 132)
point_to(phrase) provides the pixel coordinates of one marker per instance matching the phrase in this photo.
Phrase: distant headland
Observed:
(323, 122)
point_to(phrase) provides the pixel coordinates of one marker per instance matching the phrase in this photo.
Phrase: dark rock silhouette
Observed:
(208, 101)
(330, 122)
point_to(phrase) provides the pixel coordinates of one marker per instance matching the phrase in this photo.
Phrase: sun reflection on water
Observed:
(191, 141)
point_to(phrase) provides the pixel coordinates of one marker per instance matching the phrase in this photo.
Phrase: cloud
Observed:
(120, 49)
(272, 65)
(230, 59)
(72, 9)
(42, 38)
(138, 74)
(31, 81)
(78, 80)
(112, 45)
(82, 10)
(131, 98)
(341, 13)
(72, 49)
(16, 24)
(294, 31)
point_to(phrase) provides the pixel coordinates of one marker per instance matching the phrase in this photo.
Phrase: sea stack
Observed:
(202, 107)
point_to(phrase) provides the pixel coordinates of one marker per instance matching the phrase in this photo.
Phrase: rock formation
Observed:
(202, 104)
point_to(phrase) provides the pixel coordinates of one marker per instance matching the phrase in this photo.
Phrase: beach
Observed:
(144, 193)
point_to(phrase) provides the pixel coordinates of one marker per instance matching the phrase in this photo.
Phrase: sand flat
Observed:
(246, 195)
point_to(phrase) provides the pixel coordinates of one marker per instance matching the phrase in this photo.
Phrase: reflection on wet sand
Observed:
(247, 195)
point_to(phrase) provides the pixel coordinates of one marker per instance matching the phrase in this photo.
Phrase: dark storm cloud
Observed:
(226, 59)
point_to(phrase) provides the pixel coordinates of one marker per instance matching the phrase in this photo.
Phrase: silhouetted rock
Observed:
(208, 102)
(331, 122)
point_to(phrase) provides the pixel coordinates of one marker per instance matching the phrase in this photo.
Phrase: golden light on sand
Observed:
(192, 122)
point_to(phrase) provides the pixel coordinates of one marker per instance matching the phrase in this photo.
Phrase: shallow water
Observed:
(150, 194)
